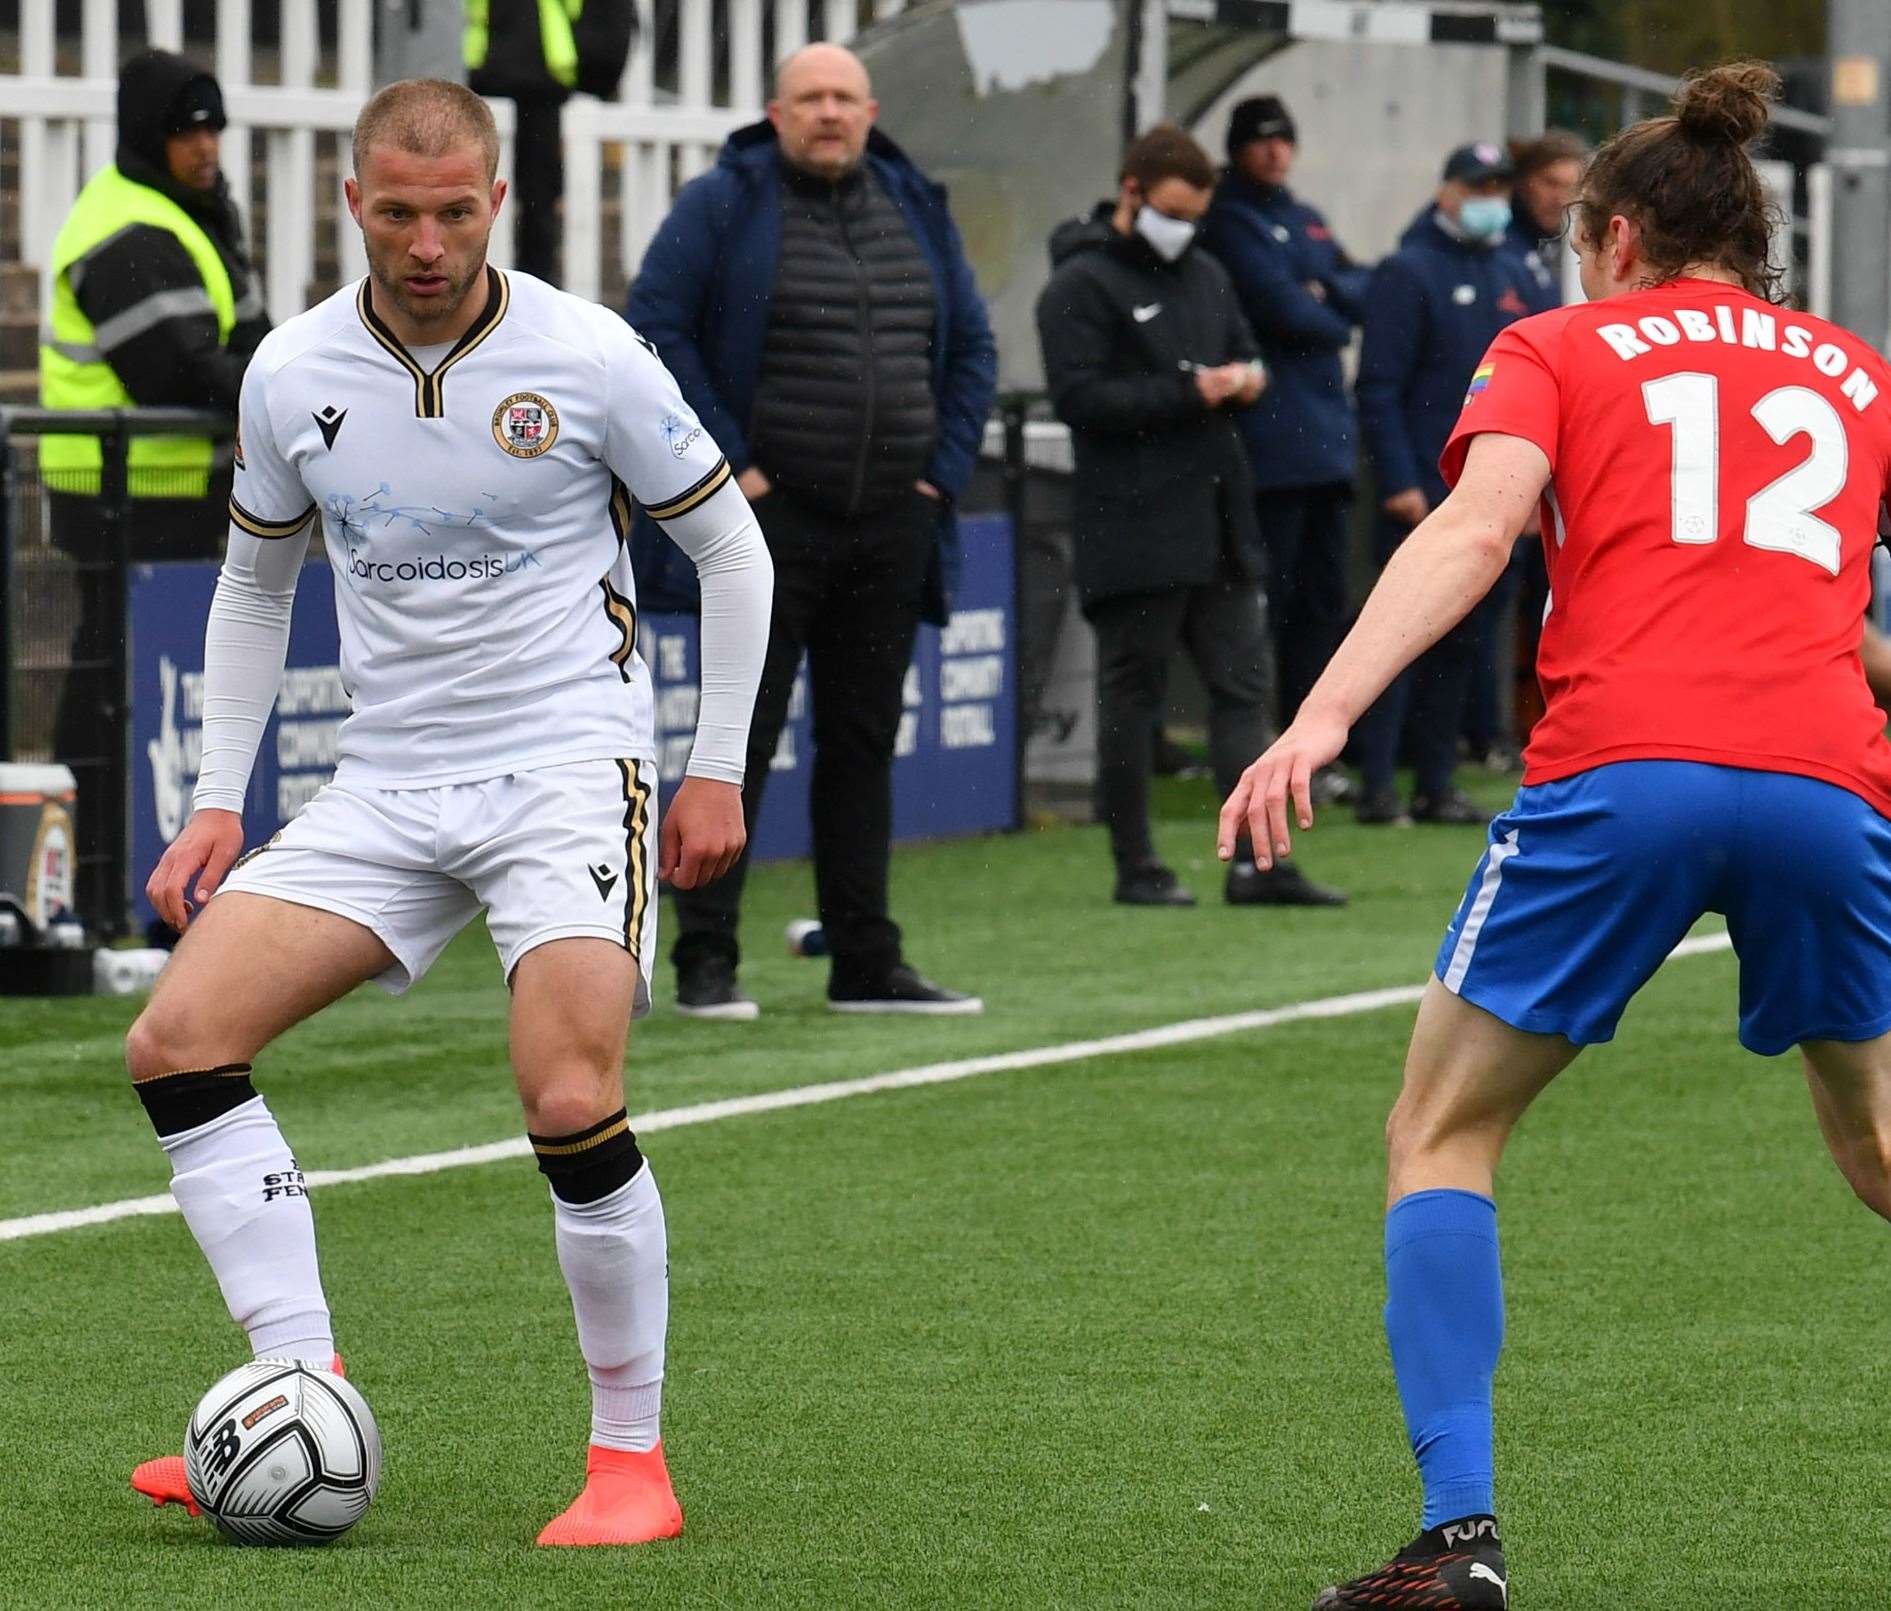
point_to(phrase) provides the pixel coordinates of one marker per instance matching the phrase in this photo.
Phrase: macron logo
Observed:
(1144, 315)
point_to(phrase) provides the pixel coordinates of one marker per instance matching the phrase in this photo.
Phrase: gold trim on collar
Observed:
(429, 390)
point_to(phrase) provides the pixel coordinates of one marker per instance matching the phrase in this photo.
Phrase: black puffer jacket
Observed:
(1162, 488)
(174, 360)
(844, 417)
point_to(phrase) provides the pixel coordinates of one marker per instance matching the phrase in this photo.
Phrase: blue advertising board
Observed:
(954, 772)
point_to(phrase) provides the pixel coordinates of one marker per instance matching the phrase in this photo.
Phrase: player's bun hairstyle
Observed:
(1689, 183)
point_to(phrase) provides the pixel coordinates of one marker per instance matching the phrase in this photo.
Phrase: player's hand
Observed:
(1253, 383)
(927, 490)
(194, 864)
(1218, 384)
(1408, 507)
(1258, 806)
(754, 483)
(702, 833)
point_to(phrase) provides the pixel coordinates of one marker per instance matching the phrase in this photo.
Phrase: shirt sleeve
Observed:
(1515, 391)
(268, 499)
(653, 441)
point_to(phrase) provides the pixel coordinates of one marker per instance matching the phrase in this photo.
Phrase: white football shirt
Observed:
(475, 511)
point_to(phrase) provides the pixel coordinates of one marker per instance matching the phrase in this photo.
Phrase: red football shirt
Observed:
(1718, 467)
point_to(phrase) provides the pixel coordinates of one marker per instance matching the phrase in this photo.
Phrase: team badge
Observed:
(525, 425)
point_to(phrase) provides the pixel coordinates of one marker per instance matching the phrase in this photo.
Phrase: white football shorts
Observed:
(552, 854)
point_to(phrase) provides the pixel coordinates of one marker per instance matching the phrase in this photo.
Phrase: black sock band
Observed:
(194, 1096)
(591, 1164)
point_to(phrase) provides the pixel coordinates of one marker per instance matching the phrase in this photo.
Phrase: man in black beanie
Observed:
(154, 304)
(1304, 297)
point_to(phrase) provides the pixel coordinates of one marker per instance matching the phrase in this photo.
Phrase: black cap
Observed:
(198, 105)
(1479, 161)
(1260, 117)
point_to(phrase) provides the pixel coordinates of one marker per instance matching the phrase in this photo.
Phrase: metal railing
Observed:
(66, 556)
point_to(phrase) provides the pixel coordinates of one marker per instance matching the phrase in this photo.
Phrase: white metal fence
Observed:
(687, 84)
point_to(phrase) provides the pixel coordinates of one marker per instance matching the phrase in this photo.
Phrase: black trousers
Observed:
(1223, 627)
(1426, 701)
(1303, 530)
(848, 592)
(538, 186)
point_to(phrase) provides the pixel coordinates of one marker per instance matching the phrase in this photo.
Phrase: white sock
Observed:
(244, 1201)
(615, 1256)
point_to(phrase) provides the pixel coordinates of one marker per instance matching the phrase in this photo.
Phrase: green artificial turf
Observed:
(1099, 1334)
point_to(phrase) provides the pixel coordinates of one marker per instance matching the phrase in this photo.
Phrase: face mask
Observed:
(1169, 236)
(1484, 218)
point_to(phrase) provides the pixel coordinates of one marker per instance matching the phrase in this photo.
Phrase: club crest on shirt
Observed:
(525, 425)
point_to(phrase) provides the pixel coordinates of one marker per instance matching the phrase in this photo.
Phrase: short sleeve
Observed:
(653, 441)
(268, 498)
(1514, 392)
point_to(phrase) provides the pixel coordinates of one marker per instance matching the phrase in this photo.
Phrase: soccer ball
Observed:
(279, 1453)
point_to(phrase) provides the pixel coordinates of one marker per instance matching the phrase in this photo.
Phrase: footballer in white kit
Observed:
(474, 504)
(469, 445)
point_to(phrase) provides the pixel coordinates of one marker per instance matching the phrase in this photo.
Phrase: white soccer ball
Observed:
(280, 1453)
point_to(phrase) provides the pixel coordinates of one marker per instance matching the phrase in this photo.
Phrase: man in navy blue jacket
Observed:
(1303, 296)
(1433, 308)
(812, 297)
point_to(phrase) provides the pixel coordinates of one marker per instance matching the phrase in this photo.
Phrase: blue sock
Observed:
(1444, 1317)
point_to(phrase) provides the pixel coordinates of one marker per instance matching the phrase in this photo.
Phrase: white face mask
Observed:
(1170, 237)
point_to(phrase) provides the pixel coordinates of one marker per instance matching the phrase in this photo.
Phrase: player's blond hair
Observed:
(1689, 183)
(427, 117)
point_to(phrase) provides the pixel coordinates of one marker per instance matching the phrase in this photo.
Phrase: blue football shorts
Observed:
(1590, 881)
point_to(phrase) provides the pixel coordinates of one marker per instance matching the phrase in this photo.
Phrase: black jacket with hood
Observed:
(1163, 490)
(170, 359)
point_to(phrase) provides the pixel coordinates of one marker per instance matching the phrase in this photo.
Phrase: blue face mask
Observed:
(1484, 218)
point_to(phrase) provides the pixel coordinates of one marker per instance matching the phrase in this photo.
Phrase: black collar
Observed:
(429, 390)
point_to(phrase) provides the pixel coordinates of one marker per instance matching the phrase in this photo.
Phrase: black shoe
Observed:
(1453, 807)
(1382, 807)
(1151, 884)
(901, 990)
(706, 988)
(1456, 1567)
(1283, 884)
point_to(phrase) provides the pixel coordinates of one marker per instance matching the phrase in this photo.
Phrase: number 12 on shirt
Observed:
(1779, 515)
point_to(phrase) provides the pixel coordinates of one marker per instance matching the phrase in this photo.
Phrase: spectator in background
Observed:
(536, 54)
(1548, 170)
(1148, 360)
(154, 304)
(812, 297)
(1433, 308)
(1304, 297)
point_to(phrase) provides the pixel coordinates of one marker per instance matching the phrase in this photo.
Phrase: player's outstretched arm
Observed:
(1433, 581)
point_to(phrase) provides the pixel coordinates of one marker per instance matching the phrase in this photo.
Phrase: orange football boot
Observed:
(162, 1481)
(627, 1499)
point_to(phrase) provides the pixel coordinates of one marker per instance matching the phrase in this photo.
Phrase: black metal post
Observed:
(114, 499)
(1012, 409)
(8, 597)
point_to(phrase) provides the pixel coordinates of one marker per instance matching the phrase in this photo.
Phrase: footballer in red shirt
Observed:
(1709, 468)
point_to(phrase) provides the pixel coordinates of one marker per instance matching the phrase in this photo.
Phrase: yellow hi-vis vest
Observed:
(555, 38)
(73, 372)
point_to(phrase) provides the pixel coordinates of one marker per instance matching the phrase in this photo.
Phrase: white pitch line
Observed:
(802, 1096)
